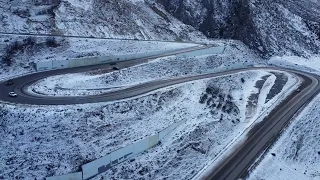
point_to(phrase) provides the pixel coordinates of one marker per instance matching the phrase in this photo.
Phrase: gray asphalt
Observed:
(235, 166)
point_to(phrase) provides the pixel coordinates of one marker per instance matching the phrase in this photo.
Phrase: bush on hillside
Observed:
(16, 47)
(52, 42)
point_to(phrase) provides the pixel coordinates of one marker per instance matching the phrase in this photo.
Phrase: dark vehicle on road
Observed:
(9, 82)
(115, 68)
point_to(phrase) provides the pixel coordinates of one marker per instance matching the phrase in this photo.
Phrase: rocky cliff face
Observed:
(268, 26)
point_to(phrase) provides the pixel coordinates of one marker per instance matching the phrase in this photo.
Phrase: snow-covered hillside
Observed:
(40, 141)
(28, 16)
(272, 27)
(308, 64)
(121, 18)
(24, 51)
(296, 155)
(97, 18)
(133, 19)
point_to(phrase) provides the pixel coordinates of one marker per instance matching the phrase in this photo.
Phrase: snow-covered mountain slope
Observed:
(98, 18)
(28, 16)
(272, 27)
(296, 156)
(121, 18)
(269, 26)
(134, 19)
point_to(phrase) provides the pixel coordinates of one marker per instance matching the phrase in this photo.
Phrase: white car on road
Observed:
(12, 94)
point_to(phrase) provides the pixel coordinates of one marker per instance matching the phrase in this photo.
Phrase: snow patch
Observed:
(309, 64)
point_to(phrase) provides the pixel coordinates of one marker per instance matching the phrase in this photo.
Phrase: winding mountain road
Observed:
(24, 97)
(235, 166)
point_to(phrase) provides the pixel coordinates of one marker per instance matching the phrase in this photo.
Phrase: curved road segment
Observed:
(264, 134)
(238, 163)
(24, 97)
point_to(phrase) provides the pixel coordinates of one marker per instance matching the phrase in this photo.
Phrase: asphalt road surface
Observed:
(235, 166)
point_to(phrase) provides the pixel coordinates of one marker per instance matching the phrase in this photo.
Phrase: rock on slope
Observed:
(268, 26)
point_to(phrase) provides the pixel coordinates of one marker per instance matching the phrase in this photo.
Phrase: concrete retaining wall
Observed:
(103, 164)
(44, 66)
(166, 131)
(60, 64)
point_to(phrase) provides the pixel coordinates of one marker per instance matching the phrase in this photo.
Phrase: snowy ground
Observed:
(42, 141)
(55, 140)
(308, 64)
(297, 152)
(208, 128)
